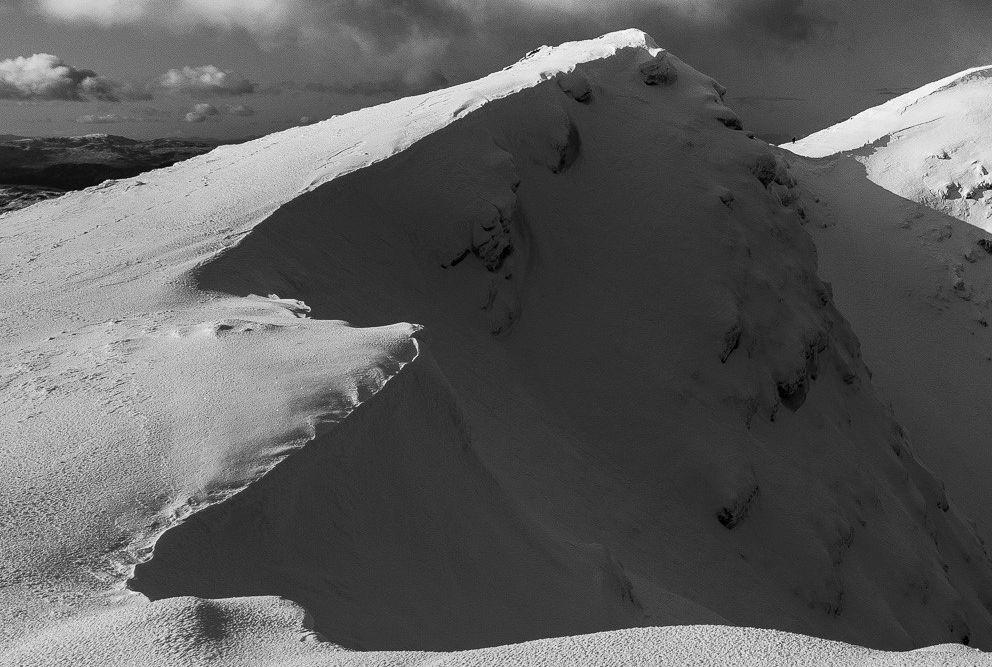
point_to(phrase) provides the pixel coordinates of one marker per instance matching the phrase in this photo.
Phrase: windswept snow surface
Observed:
(633, 403)
(266, 632)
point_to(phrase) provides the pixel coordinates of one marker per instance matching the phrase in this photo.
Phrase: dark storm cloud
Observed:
(789, 21)
(404, 46)
(395, 47)
(399, 47)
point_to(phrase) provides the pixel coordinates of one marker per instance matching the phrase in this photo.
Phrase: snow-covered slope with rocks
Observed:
(628, 399)
(899, 229)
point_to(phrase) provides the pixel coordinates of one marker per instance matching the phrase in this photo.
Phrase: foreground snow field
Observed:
(627, 399)
(269, 634)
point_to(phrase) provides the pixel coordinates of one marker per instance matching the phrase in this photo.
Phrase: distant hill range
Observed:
(38, 168)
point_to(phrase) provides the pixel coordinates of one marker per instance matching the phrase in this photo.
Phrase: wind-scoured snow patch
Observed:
(225, 453)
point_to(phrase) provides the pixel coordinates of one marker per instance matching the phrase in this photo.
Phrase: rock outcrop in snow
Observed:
(633, 402)
(900, 218)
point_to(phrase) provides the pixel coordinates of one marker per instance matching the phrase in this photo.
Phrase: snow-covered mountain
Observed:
(898, 226)
(930, 145)
(538, 355)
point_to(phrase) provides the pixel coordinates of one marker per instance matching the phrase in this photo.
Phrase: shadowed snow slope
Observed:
(634, 402)
(898, 235)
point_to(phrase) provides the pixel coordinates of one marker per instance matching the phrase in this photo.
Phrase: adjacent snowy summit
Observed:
(541, 355)
(930, 145)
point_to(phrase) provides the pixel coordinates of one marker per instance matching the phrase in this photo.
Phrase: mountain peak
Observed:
(928, 103)
(930, 145)
(595, 382)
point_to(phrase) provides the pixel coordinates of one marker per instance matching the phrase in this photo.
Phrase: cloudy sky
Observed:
(230, 68)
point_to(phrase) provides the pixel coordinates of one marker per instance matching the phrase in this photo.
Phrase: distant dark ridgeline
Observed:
(33, 169)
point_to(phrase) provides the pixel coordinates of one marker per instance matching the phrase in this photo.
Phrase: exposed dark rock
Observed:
(733, 122)
(737, 510)
(731, 340)
(793, 392)
(658, 71)
(568, 150)
(575, 85)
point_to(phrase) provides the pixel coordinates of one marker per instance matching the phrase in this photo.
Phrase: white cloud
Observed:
(46, 77)
(100, 119)
(239, 110)
(253, 15)
(204, 80)
(201, 112)
(98, 11)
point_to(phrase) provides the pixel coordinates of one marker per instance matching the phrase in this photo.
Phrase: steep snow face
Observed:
(619, 289)
(900, 234)
(634, 402)
(916, 284)
(130, 398)
(930, 145)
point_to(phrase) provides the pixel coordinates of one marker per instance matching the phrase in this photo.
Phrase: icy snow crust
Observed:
(634, 402)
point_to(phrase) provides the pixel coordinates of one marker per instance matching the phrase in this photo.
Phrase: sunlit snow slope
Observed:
(633, 401)
(930, 145)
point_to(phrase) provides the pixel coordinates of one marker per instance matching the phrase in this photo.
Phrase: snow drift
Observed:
(633, 402)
